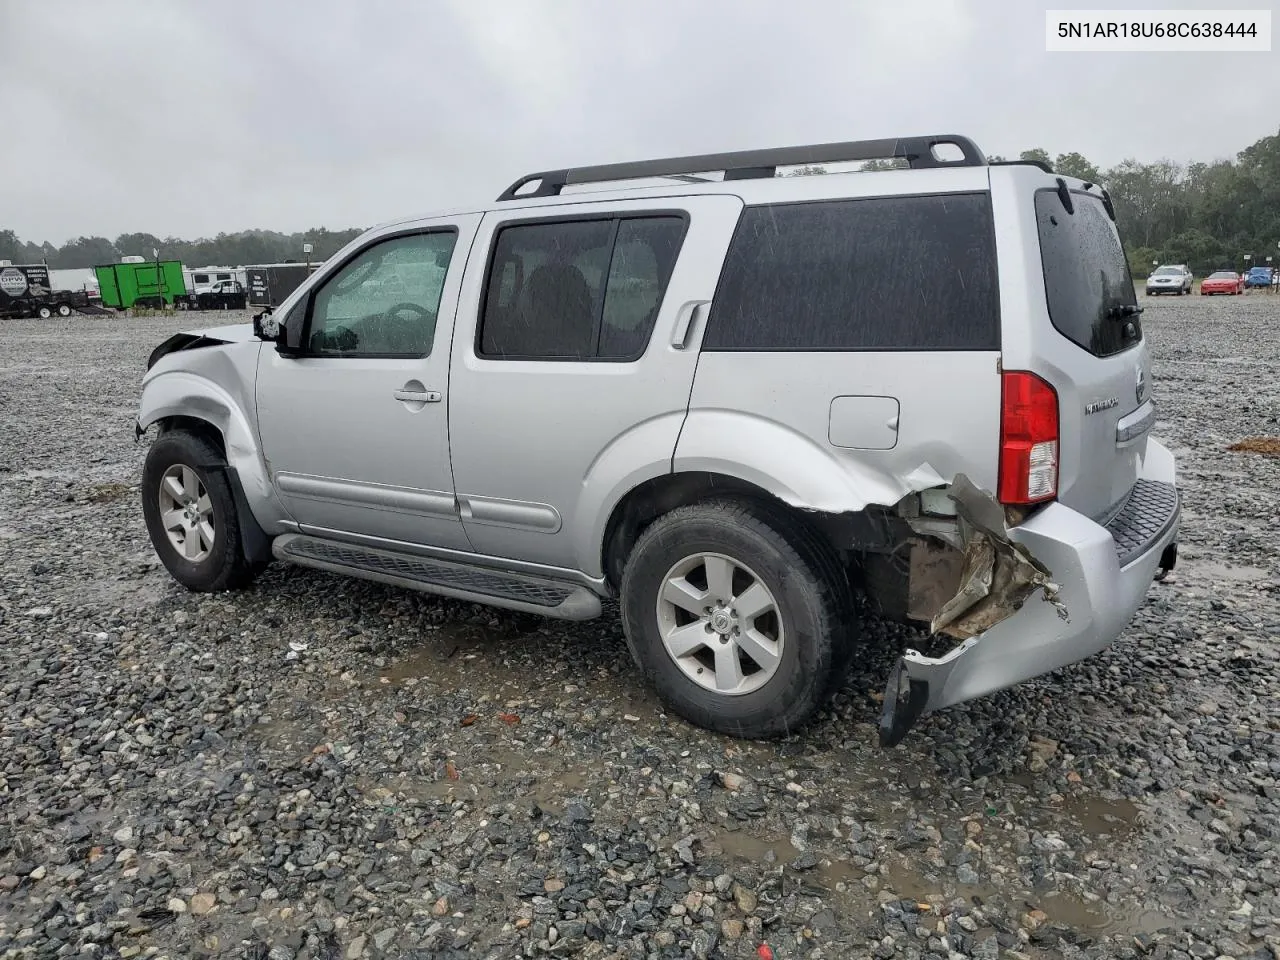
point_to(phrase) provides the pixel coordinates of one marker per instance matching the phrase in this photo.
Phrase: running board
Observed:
(462, 581)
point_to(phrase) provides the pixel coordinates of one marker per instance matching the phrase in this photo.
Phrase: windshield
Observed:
(1222, 275)
(1167, 271)
(1086, 275)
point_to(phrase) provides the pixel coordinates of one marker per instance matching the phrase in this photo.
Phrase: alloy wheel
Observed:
(186, 513)
(720, 623)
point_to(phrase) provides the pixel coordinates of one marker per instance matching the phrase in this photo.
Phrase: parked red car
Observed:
(1224, 281)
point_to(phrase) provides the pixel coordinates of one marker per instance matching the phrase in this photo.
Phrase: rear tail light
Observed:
(1028, 439)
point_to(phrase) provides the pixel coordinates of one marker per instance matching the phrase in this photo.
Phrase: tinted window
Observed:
(1086, 276)
(384, 302)
(643, 258)
(578, 290)
(888, 273)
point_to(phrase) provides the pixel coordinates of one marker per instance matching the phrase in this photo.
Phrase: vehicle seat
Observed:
(556, 313)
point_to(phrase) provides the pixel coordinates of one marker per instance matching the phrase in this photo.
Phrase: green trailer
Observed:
(152, 283)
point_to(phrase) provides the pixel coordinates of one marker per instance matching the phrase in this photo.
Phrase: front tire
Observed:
(44, 313)
(738, 616)
(190, 513)
(64, 310)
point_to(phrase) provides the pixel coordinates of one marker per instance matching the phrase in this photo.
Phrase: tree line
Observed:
(1206, 215)
(1210, 216)
(224, 250)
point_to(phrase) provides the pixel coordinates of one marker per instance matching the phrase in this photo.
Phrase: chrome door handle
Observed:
(418, 396)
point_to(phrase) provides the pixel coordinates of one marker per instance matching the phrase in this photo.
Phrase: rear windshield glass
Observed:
(1086, 276)
(882, 273)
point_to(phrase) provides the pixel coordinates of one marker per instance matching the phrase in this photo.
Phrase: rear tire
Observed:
(44, 313)
(183, 469)
(737, 670)
(64, 310)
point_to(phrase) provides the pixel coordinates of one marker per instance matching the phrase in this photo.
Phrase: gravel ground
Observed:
(322, 767)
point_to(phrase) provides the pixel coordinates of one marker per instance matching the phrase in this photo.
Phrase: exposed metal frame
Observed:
(753, 164)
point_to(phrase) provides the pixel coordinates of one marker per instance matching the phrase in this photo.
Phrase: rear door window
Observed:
(881, 273)
(1086, 275)
(578, 289)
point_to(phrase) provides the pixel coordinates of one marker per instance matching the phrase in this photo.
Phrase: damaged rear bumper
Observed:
(1099, 578)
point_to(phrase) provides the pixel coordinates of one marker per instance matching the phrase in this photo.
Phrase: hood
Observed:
(231, 333)
(195, 339)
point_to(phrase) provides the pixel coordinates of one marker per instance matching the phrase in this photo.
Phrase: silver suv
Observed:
(730, 402)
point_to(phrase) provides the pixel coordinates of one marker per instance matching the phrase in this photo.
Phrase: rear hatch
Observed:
(1087, 342)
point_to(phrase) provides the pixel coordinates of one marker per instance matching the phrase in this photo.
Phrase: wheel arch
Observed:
(179, 400)
(658, 496)
(721, 452)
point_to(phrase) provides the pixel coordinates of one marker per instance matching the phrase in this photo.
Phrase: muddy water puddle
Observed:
(1101, 917)
(470, 656)
(286, 735)
(1093, 816)
(745, 846)
(1109, 821)
(1098, 817)
(829, 875)
(1072, 910)
(452, 657)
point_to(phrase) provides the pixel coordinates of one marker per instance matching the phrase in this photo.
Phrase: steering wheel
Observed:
(403, 325)
(421, 311)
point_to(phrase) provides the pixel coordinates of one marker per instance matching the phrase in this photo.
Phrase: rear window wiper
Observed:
(1122, 310)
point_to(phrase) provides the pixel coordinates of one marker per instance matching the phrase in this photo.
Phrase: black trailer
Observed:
(270, 283)
(25, 291)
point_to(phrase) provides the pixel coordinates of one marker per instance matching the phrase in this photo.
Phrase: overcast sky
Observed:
(185, 118)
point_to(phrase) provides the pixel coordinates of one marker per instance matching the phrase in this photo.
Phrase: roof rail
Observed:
(1021, 163)
(751, 164)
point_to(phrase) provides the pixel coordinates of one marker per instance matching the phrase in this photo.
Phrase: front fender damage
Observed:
(966, 574)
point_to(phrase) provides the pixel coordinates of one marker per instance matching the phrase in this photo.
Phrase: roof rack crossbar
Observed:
(749, 164)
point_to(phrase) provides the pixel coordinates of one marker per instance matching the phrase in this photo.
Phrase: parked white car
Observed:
(1171, 278)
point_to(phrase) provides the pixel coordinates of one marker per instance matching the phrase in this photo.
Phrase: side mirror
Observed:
(282, 333)
(266, 327)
